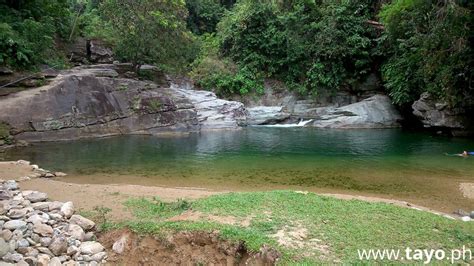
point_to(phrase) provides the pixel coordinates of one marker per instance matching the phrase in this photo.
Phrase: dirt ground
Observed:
(182, 248)
(86, 197)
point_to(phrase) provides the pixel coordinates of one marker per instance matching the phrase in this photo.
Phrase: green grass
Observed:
(341, 226)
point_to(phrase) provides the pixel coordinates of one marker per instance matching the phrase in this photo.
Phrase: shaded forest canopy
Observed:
(231, 47)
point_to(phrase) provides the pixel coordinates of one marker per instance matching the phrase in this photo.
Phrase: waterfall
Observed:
(301, 123)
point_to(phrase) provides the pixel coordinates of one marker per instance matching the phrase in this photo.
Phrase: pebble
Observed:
(43, 260)
(14, 224)
(4, 247)
(6, 234)
(55, 262)
(42, 229)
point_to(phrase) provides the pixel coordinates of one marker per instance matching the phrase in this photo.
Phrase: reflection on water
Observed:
(389, 162)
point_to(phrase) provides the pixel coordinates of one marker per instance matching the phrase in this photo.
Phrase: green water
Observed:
(391, 163)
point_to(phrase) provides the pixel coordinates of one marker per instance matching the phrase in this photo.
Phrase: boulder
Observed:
(76, 232)
(436, 114)
(35, 196)
(212, 112)
(42, 229)
(91, 248)
(99, 52)
(374, 112)
(67, 209)
(83, 222)
(262, 115)
(58, 245)
(92, 102)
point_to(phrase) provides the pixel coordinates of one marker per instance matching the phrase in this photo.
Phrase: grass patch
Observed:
(332, 229)
(155, 208)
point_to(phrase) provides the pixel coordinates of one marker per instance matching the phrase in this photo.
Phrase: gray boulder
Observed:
(212, 112)
(91, 102)
(435, 114)
(374, 112)
(262, 115)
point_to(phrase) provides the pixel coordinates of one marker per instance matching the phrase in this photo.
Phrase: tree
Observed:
(428, 45)
(150, 31)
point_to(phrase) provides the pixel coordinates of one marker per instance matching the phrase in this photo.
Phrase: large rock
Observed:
(374, 112)
(262, 115)
(35, 196)
(212, 112)
(83, 222)
(67, 209)
(435, 114)
(91, 102)
(91, 247)
(99, 52)
(58, 245)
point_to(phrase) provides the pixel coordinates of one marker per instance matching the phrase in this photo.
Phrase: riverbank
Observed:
(139, 224)
(113, 196)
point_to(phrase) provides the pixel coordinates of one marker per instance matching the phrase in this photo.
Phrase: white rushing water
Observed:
(301, 123)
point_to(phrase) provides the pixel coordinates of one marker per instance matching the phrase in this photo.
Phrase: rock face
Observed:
(94, 103)
(374, 112)
(212, 112)
(264, 115)
(438, 115)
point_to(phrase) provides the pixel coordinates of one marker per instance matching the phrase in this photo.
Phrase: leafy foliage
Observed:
(204, 15)
(28, 30)
(308, 44)
(150, 31)
(428, 50)
(212, 71)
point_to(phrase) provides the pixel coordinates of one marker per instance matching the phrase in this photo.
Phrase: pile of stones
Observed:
(35, 231)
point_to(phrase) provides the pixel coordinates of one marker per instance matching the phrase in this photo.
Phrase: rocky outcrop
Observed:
(264, 115)
(97, 101)
(93, 102)
(438, 115)
(35, 231)
(374, 112)
(212, 112)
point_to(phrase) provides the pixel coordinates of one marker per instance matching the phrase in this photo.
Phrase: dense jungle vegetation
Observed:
(231, 46)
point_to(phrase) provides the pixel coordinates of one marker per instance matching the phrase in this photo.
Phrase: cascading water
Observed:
(301, 123)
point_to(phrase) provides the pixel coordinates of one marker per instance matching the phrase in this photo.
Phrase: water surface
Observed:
(389, 163)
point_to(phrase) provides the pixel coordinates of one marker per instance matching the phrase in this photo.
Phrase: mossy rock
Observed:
(5, 136)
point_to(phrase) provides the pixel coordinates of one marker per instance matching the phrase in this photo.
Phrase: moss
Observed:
(4, 130)
(5, 133)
